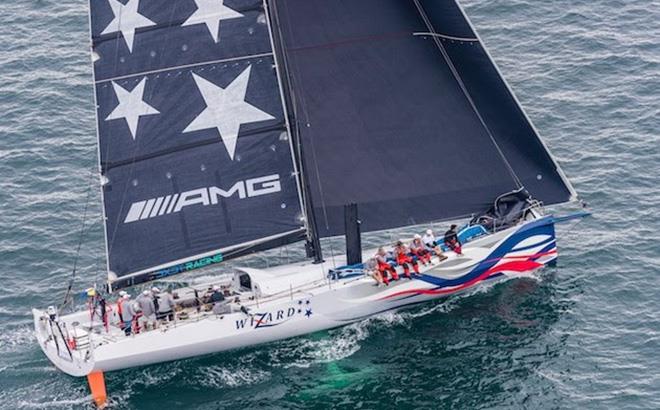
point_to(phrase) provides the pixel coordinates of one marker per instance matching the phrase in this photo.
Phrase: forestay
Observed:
(401, 110)
(193, 144)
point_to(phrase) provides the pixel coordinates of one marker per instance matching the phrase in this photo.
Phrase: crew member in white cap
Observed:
(418, 249)
(431, 244)
(120, 301)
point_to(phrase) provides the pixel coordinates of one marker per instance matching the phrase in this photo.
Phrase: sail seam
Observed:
(179, 148)
(182, 67)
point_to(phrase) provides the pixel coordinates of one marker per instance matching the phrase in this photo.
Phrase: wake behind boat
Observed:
(230, 127)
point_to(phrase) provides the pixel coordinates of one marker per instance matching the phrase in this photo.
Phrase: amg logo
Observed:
(203, 196)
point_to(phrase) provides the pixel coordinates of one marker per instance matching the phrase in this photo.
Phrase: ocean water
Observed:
(585, 334)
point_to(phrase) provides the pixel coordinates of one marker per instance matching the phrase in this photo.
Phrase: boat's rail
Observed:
(60, 347)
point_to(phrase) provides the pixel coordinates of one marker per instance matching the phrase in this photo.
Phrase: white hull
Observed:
(296, 308)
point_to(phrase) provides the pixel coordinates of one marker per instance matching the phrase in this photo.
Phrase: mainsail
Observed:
(195, 154)
(401, 110)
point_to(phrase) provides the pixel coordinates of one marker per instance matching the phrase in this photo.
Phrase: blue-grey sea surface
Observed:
(585, 334)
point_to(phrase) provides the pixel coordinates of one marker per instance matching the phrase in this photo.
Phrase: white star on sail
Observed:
(131, 106)
(126, 20)
(211, 13)
(226, 109)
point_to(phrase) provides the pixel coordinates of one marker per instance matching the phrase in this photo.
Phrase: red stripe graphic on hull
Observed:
(513, 266)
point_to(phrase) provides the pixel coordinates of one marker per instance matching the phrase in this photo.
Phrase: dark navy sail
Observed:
(194, 147)
(400, 110)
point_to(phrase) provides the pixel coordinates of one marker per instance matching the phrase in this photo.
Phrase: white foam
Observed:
(346, 341)
(337, 345)
(71, 403)
(229, 376)
(12, 339)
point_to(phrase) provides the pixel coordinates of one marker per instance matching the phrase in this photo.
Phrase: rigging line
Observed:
(280, 71)
(96, 126)
(274, 11)
(295, 101)
(458, 78)
(465, 39)
(314, 155)
(67, 295)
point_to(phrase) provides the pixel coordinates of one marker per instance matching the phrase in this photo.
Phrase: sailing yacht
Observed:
(230, 127)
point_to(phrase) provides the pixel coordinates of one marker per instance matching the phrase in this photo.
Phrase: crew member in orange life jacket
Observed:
(384, 267)
(418, 249)
(371, 267)
(401, 252)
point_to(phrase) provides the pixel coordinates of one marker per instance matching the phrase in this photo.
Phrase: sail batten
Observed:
(194, 146)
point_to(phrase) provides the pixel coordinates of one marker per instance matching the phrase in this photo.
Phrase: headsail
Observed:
(194, 148)
(401, 110)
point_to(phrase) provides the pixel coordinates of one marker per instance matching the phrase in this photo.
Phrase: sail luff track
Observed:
(288, 95)
(98, 143)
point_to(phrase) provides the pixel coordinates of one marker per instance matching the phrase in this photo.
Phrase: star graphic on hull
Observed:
(126, 20)
(131, 106)
(226, 109)
(211, 13)
(308, 313)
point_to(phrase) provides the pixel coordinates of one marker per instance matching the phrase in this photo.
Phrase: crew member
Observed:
(384, 266)
(120, 301)
(452, 241)
(148, 318)
(418, 249)
(371, 268)
(127, 313)
(154, 296)
(431, 244)
(165, 306)
(403, 258)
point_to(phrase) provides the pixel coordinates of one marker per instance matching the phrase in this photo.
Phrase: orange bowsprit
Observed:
(97, 386)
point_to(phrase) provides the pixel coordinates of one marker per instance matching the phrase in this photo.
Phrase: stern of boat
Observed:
(72, 355)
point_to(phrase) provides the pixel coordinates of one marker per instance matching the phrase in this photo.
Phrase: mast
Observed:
(313, 244)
